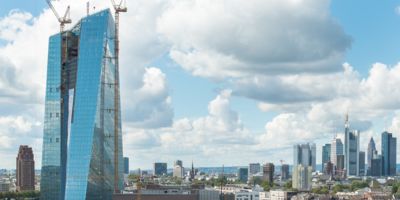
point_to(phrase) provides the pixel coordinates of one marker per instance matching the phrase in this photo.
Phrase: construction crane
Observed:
(62, 20)
(118, 9)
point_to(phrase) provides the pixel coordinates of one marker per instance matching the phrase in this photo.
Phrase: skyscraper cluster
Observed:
(304, 163)
(346, 159)
(384, 164)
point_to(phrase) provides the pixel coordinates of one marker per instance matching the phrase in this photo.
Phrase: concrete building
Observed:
(254, 168)
(284, 172)
(178, 171)
(301, 178)
(280, 195)
(4, 186)
(268, 172)
(305, 154)
(362, 163)
(160, 169)
(326, 154)
(25, 169)
(243, 174)
(171, 193)
(389, 147)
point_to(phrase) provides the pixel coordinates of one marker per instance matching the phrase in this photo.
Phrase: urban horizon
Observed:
(107, 97)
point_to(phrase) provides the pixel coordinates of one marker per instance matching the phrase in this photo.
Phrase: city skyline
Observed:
(218, 98)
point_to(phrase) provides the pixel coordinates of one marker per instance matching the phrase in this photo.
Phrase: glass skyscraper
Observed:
(326, 154)
(305, 154)
(352, 149)
(388, 154)
(79, 141)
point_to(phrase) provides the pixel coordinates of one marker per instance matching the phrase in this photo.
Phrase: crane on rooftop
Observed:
(118, 8)
(62, 20)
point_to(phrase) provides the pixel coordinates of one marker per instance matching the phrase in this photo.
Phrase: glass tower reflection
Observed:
(78, 141)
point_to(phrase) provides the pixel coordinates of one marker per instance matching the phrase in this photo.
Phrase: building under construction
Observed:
(82, 140)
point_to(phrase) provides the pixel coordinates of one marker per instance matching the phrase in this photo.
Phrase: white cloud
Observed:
(217, 39)
(151, 106)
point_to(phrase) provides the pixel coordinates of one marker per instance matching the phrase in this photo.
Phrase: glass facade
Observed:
(389, 144)
(326, 154)
(85, 103)
(51, 179)
(160, 169)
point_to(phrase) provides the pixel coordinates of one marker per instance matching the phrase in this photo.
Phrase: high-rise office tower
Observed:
(376, 165)
(126, 165)
(326, 154)
(389, 145)
(352, 149)
(336, 149)
(82, 140)
(371, 151)
(268, 172)
(178, 169)
(362, 163)
(284, 172)
(339, 168)
(243, 174)
(160, 169)
(305, 154)
(25, 170)
(178, 162)
(328, 168)
(254, 168)
(302, 177)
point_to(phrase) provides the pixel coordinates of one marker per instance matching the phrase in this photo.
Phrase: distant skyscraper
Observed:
(243, 174)
(389, 145)
(370, 154)
(284, 172)
(376, 165)
(82, 139)
(254, 168)
(25, 169)
(126, 165)
(305, 154)
(178, 169)
(336, 149)
(362, 163)
(301, 178)
(328, 168)
(326, 154)
(352, 148)
(178, 162)
(268, 172)
(340, 170)
(160, 169)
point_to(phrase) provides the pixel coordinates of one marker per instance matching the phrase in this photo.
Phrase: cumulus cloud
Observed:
(218, 39)
(151, 106)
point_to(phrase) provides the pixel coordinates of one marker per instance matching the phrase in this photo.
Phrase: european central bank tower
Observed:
(81, 147)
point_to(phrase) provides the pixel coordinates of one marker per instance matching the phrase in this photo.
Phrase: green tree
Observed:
(355, 185)
(288, 185)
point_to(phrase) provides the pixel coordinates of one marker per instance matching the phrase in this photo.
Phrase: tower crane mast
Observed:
(118, 8)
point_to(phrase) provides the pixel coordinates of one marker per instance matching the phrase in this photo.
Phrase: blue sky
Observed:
(219, 76)
(373, 26)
